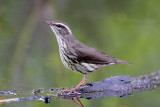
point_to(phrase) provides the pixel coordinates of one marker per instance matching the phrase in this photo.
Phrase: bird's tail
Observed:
(123, 62)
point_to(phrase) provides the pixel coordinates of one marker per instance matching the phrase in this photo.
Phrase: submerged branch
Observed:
(118, 86)
(123, 83)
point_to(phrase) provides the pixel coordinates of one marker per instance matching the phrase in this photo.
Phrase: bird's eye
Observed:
(59, 25)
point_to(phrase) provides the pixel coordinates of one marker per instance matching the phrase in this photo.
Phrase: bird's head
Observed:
(59, 28)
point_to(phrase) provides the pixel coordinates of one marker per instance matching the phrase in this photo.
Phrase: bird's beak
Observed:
(48, 22)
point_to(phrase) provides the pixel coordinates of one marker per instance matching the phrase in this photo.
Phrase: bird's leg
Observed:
(83, 81)
(74, 89)
(79, 104)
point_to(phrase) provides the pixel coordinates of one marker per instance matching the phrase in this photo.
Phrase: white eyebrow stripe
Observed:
(65, 27)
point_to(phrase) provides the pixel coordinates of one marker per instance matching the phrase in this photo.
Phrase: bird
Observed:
(77, 56)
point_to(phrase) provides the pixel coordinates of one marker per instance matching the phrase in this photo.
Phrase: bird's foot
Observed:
(73, 91)
(69, 92)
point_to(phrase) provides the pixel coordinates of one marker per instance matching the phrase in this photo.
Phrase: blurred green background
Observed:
(29, 57)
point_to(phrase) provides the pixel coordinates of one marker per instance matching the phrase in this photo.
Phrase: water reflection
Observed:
(119, 86)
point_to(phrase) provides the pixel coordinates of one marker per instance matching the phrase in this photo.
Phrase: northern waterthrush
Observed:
(77, 56)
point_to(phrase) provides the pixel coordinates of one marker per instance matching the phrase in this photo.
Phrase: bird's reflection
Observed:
(76, 97)
(119, 86)
(78, 102)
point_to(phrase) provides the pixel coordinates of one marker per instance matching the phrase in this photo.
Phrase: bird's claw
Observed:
(70, 92)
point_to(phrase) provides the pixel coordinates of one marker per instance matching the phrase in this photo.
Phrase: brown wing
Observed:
(91, 55)
(87, 54)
